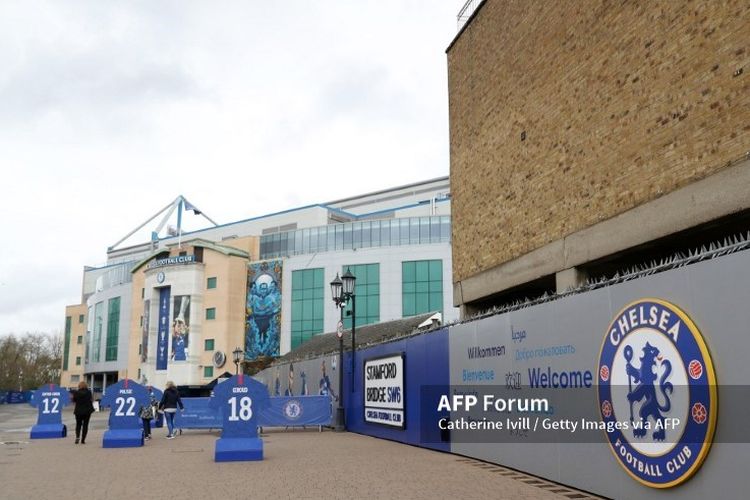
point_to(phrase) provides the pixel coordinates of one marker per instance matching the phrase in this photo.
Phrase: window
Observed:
(80, 319)
(143, 292)
(208, 371)
(307, 305)
(140, 348)
(98, 325)
(113, 329)
(211, 283)
(367, 292)
(209, 345)
(78, 361)
(79, 341)
(74, 379)
(211, 313)
(422, 287)
(66, 345)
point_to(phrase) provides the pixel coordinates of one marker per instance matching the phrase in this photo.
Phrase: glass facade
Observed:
(367, 293)
(113, 329)
(307, 305)
(360, 234)
(98, 325)
(66, 346)
(422, 287)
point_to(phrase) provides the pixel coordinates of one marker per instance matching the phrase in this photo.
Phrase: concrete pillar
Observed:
(569, 278)
(104, 384)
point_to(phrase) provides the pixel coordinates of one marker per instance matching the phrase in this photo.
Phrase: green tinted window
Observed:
(307, 304)
(421, 287)
(366, 293)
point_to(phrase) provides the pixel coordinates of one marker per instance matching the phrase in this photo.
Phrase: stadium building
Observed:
(176, 307)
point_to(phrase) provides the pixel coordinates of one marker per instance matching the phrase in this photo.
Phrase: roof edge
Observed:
(466, 24)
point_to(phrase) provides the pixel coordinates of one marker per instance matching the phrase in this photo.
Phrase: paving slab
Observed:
(297, 464)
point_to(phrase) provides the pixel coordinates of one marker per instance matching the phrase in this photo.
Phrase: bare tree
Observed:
(30, 361)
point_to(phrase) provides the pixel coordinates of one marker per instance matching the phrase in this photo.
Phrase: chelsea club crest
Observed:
(657, 387)
(292, 409)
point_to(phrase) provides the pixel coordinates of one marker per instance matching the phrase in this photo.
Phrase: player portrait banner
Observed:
(144, 330)
(181, 328)
(162, 344)
(263, 319)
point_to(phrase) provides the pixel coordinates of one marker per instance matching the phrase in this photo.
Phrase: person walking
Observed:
(83, 410)
(169, 403)
(148, 413)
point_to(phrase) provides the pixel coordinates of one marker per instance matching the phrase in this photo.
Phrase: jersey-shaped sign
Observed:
(124, 398)
(49, 401)
(240, 400)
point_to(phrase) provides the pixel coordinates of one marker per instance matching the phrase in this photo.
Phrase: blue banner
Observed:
(198, 415)
(263, 315)
(18, 397)
(162, 352)
(294, 411)
(282, 412)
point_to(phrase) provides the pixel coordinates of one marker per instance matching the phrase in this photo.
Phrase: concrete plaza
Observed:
(298, 464)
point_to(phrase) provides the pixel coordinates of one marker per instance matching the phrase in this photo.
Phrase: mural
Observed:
(263, 319)
(181, 328)
(312, 377)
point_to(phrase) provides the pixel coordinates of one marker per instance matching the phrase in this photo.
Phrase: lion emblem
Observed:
(645, 388)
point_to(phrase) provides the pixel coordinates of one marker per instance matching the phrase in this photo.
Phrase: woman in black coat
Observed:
(83, 410)
(170, 400)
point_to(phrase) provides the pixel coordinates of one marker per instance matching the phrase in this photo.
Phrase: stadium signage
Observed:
(384, 391)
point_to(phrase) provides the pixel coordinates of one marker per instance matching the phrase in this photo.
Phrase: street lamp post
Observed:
(237, 356)
(342, 291)
(348, 278)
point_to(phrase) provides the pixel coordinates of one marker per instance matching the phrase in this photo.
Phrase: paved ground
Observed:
(298, 464)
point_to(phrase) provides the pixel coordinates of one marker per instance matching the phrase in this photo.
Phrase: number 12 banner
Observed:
(49, 400)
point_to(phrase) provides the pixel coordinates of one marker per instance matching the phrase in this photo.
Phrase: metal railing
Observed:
(465, 13)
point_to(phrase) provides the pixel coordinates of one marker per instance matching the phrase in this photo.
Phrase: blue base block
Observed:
(123, 438)
(49, 431)
(238, 449)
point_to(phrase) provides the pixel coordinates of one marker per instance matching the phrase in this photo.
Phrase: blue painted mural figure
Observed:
(303, 376)
(325, 383)
(277, 384)
(290, 382)
(263, 310)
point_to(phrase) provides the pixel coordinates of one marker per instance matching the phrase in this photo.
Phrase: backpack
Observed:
(147, 412)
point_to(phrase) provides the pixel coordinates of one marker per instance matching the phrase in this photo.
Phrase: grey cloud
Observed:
(89, 84)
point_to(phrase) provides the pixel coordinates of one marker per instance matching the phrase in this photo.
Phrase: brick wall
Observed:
(621, 102)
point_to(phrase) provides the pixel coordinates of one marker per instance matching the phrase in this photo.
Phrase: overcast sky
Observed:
(109, 110)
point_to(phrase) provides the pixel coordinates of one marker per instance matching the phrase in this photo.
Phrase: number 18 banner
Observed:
(240, 399)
